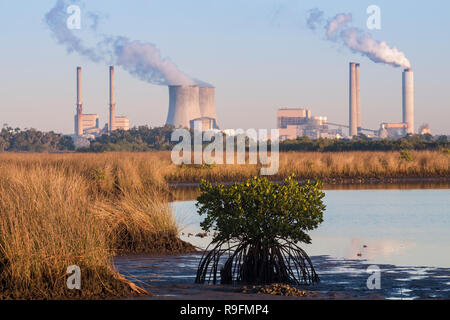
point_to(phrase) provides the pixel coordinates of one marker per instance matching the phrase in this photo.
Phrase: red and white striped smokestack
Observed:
(112, 100)
(79, 115)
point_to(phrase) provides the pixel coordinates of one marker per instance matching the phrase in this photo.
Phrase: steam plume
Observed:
(357, 40)
(142, 60)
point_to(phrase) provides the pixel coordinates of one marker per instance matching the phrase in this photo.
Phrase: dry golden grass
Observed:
(64, 209)
(328, 166)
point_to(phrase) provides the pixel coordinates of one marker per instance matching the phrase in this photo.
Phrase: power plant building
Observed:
(397, 130)
(84, 123)
(88, 124)
(296, 122)
(392, 130)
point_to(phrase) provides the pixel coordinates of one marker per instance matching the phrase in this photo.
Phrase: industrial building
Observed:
(387, 130)
(88, 124)
(84, 123)
(397, 130)
(296, 122)
(293, 123)
(188, 104)
(392, 130)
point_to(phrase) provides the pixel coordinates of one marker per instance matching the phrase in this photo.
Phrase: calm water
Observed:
(399, 227)
(406, 232)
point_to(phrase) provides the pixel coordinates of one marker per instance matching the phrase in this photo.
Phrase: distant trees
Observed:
(32, 140)
(144, 138)
(362, 143)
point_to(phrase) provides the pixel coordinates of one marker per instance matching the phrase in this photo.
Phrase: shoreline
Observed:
(335, 181)
(341, 279)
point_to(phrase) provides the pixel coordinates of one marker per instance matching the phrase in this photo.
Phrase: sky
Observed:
(259, 55)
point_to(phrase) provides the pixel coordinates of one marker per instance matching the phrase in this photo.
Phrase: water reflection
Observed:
(407, 227)
(187, 192)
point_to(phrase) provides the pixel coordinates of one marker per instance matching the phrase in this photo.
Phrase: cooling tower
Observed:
(353, 118)
(112, 100)
(408, 99)
(184, 105)
(79, 115)
(206, 101)
(358, 99)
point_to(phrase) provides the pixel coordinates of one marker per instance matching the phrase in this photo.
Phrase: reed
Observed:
(330, 167)
(63, 210)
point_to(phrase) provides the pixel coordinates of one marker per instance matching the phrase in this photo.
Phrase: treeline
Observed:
(142, 138)
(31, 140)
(145, 138)
(362, 143)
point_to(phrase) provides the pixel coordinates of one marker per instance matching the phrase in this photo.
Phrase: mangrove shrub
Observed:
(257, 226)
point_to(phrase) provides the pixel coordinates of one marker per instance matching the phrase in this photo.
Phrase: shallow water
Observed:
(172, 277)
(400, 227)
(406, 232)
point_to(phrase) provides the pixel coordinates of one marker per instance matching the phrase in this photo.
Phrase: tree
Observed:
(258, 224)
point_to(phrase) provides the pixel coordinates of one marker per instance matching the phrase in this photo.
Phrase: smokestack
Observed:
(79, 116)
(184, 105)
(112, 100)
(353, 122)
(206, 101)
(358, 99)
(408, 99)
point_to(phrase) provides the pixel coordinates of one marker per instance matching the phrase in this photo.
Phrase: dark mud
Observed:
(172, 277)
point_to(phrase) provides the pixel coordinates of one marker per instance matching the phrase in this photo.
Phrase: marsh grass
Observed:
(58, 210)
(330, 167)
(62, 210)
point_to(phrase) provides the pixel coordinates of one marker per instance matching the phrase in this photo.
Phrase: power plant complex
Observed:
(296, 122)
(193, 104)
(187, 105)
(87, 125)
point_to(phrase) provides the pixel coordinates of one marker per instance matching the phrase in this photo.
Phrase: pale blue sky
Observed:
(258, 54)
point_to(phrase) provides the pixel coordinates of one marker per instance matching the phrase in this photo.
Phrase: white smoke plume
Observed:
(337, 29)
(142, 60)
(339, 22)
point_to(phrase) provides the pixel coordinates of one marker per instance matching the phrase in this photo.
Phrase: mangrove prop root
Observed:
(256, 263)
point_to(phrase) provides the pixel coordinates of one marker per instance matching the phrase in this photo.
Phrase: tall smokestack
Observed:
(408, 99)
(358, 99)
(112, 100)
(79, 116)
(184, 105)
(353, 122)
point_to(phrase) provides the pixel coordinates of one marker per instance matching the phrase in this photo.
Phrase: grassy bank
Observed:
(58, 210)
(357, 166)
